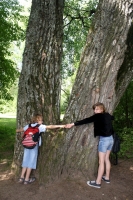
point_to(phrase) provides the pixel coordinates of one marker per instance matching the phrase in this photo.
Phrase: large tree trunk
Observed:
(40, 80)
(104, 73)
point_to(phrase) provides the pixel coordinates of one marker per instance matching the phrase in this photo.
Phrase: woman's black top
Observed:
(102, 124)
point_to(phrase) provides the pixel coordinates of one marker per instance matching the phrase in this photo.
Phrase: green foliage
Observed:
(10, 105)
(126, 137)
(65, 92)
(123, 123)
(64, 99)
(78, 16)
(11, 31)
(124, 111)
(7, 137)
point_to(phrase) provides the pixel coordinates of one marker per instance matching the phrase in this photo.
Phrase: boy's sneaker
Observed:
(107, 181)
(93, 184)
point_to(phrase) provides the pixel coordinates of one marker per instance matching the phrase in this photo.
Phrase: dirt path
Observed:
(120, 188)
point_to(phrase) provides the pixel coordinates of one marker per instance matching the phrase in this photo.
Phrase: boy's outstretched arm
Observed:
(55, 126)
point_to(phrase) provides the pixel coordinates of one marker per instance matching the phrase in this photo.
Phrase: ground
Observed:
(120, 188)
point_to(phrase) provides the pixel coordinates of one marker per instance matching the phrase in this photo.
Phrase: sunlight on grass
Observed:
(7, 137)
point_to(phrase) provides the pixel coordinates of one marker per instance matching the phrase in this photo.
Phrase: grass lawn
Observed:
(7, 137)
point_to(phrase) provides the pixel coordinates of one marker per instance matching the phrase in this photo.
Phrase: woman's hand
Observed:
(69, 125)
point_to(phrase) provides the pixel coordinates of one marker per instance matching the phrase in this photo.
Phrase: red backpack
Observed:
(31, 137)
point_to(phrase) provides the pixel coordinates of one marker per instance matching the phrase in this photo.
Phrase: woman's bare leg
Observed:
(101, 167)
(108, 165)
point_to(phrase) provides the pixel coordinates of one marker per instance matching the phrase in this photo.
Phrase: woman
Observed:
(102, 128)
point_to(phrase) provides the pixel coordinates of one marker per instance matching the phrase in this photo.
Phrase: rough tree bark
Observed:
(106, 68)
(40, 80)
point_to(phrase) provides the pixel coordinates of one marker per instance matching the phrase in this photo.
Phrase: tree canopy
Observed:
(77, 21)
(11, 31)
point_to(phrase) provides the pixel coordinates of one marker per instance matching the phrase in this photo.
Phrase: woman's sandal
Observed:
(31, 180)
(21, 180)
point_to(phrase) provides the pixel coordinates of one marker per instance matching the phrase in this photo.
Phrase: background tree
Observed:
(11, 31)
(77, 21)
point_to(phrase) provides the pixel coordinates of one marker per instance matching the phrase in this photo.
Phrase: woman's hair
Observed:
(101, 105)
(36, 118)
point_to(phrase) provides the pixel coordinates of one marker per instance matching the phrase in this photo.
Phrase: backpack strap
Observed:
(37, 125)
(34, 126)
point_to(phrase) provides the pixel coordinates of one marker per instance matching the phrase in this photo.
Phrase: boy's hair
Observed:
(101, 105)
(36, 118)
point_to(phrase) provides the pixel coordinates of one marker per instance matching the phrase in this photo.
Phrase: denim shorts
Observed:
(105, 144)
(30, 158)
